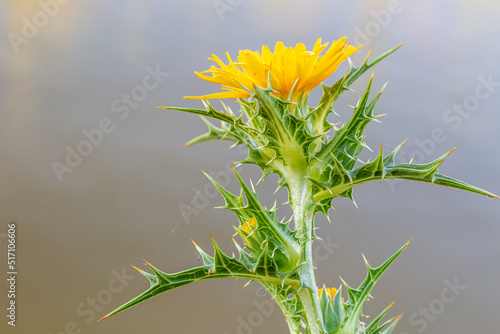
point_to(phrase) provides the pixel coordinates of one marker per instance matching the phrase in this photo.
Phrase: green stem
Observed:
(309, 302)
(301, 200)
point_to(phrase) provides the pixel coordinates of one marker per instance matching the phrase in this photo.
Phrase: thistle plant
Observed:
(316, 161)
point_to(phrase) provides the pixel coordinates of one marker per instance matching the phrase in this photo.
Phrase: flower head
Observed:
(290, 71)
(249, 225)
(330, 291)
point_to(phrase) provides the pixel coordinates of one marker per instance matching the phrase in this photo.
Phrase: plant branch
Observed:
(302, 204)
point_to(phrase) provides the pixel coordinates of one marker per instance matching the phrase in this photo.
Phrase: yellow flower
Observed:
(249, 226)
(246, 226)
(291, 71)
(330, 291)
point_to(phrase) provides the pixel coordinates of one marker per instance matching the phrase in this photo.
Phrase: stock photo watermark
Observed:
(88, 310)
(381, 19)
(94, 137)
(222, 7)
(48, 9)
(205, 193)
(421, 318)
(11, 273)
(454, 116)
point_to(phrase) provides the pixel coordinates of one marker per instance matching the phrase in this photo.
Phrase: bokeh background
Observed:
(67, 66)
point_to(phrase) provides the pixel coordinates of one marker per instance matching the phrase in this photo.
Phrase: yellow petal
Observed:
(221, 95)
(287, 68)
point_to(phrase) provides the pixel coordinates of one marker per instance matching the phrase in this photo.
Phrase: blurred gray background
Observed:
(67, 69)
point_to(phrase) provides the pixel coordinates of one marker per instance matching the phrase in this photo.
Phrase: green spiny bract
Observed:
(292, 140)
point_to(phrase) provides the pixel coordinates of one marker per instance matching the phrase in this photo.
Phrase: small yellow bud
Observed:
(330, 291)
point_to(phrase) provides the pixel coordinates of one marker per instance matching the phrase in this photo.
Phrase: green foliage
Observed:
(292, 140)
(342, 317)
(260, 268)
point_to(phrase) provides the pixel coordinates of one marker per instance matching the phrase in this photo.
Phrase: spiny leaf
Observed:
(331, 93)
(358, 296)
(393, 323)
(211, 112)
(291, 307)
(375, 327)
(214, 133)
(218, 266)
(348, 141)
(385, 169)
(355, 73)
(267, 223)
